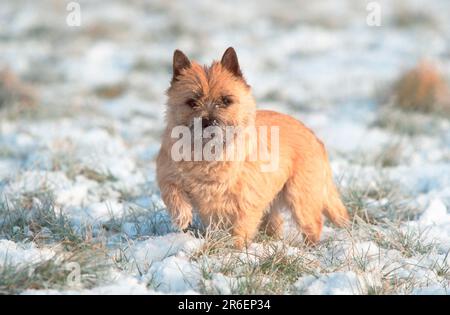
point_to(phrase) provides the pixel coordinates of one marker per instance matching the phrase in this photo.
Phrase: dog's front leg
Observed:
(177, 203)
(245, 227)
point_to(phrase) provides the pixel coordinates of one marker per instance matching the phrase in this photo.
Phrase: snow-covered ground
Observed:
(80, 172)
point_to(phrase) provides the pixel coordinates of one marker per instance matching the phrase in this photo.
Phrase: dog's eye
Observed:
(191, 103)
(226, 101)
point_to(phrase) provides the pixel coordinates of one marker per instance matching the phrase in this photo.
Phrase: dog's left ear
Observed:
(230, 62)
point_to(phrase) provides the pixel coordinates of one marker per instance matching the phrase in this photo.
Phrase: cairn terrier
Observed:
(239, 194)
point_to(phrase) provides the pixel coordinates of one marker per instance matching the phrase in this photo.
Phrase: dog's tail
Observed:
(334, 209)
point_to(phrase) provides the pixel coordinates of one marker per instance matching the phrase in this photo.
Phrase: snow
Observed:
(436, 213)
(14, 254)
(337, 283)
(174, 275)
(103, 64)
(436, 220)
(321, 63)
(219, 284)
(122, 286)
(146, 252)
(432, 290)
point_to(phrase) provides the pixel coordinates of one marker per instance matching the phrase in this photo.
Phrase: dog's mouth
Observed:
(205, 122)
(210, 137)
(205, 130)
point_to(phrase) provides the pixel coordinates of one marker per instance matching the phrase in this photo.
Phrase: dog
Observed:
(236, 194)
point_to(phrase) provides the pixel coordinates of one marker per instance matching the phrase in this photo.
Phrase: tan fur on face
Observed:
(237, 194)
(208, 85)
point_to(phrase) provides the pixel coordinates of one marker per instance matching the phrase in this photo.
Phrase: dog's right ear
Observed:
(180, 62)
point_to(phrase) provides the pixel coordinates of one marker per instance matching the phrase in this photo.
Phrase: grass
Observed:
(34, 217)
(442, 267)
(143, 221)
(14, 92)
(6, 153)
(378, 212)
(389, 155)
(268, 267)
(376, 203)
(272, 267)
(276, 268)
(110, 91)
(95, 175)
(406, 17)
(408, 241)
(409, 123)
(272, 270)
(417, 103)
(65, 159)
(46, 111)
(59, 273)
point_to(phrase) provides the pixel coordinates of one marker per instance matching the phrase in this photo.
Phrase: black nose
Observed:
(207, 122)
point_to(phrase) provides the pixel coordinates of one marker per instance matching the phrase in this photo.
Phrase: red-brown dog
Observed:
(237, 194)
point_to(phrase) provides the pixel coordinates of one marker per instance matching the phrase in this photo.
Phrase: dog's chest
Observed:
(224, 190)
(215, 195)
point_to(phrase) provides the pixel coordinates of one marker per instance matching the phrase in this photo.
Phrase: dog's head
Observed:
(217, 94)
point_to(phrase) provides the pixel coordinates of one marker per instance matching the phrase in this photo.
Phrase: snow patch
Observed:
(22, 254)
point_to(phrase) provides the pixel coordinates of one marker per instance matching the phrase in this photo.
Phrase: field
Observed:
(82, 110)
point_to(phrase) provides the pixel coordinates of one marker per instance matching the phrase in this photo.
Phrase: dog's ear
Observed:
(180, 62)
(230, 62)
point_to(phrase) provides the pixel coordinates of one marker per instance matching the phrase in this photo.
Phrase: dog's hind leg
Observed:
(304, 198)
(272, 223)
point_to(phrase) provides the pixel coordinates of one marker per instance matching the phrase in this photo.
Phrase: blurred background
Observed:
(321, 61)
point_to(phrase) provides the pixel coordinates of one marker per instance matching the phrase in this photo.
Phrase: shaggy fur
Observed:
(237, 194)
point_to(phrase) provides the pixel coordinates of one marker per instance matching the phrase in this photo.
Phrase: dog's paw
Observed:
(183, 220)
(239, 243)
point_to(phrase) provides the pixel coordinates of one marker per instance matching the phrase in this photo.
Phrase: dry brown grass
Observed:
(14, 92)
(422, 88)
(406, 17)
(111, 91)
